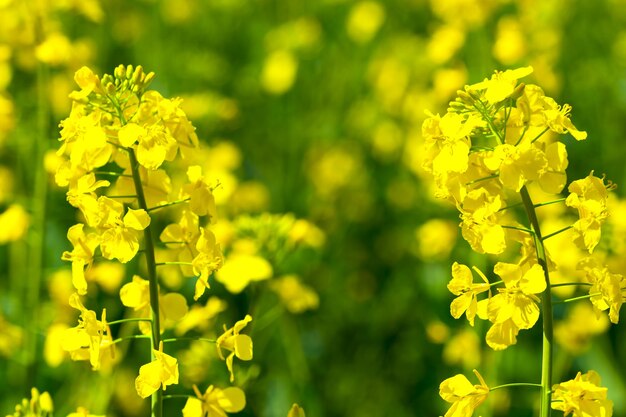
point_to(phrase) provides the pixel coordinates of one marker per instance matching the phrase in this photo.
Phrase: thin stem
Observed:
(522, 229)
(510, 206)
(126, 321)
(515, 384)
(483, 179)
(173, 263)
(170, 396)
(122, 196)
(178, 339)
(522, 135)
(547, 313)
(567, 284)
(134, 336)
(546, 203)
(582, 297)
(539, 135)
(113, 174)
(169, 204)
(556, 233)
(157, 397)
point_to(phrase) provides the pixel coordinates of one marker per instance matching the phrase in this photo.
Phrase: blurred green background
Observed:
(314, 109)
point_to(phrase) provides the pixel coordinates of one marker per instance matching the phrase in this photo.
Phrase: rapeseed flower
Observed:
(464, 396)
(239, 345)
(582, 397)
(215, 402)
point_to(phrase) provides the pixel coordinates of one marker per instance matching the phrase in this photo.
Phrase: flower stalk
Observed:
(547, 313)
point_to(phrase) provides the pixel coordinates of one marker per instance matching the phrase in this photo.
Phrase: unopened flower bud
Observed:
(129, 72)
(138, 75)
(119, 72)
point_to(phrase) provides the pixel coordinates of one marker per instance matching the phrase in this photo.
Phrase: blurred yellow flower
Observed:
(574, 333)
(14, 223)
(296, 296)
(10, 338)
(436, 239)
(364, 20)
(240, 269)
(279, 72)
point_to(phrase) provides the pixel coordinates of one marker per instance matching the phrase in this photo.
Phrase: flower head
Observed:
(582, 396)
(239, 345)
(464, 396)
(215, 402)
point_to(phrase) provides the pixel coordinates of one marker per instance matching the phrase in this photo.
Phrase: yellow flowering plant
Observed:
(116, 144)
(492, 155)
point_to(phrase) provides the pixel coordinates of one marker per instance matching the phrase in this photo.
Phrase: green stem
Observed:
(556, 233)
(157, 397)
(134, 336)
(582, 297)
(546, 203)
(490, 177)
(178, 339)
(170, 396)
(522, 229)
(111, 173)
(546, 297)
(515, 384)
(126, 320)
(539, 135)
(567, 284)
(510, 206)
(173, 263)
(169, 204)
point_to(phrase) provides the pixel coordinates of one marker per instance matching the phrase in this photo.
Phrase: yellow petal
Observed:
(136, 219)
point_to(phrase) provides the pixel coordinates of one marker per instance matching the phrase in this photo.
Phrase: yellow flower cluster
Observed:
(492, 150)
(115, 144)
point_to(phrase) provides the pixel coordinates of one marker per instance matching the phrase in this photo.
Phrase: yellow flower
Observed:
(87, 340)
(82, 195)
(120, 236)
(209, 259)
(153, 142)
(201, 317)
(157, 186)
(462, 285)
(589, 196)
(136, 295)
(85, 140)
(81, 256)
(607, 288)
(162, 371)
(517, 165)
(239, 345)
(479, 226)
(515, 307)
(464, 396)
(501, 84)
(200, 193)
(448, 143)
(215, 402)
(582, 396)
